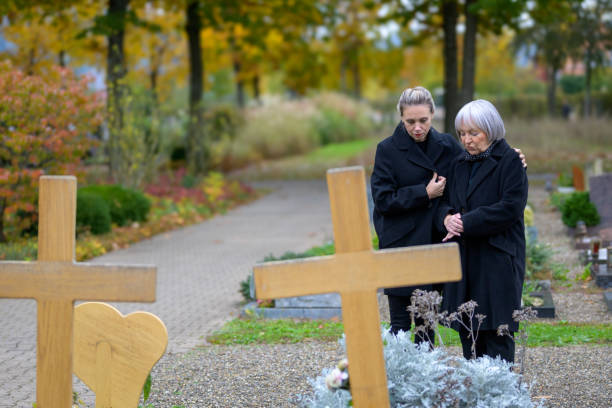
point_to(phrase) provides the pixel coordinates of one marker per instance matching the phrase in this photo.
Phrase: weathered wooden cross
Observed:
(356, 272)
(56, 281)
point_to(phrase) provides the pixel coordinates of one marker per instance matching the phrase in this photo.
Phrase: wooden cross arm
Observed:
(358, 271)
(73, 281)
(417, 265)
(296, 277)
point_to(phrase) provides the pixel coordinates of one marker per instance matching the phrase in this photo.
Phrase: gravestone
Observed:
(56, 281)
(323, 306)
(578, 178)
(608, 299)
(601, 271)
(356, 272)
(113, 353)
(601, 196)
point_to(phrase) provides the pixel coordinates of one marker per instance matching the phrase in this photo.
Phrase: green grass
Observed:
(261, 331)
(258, 331)
(340, 151)
(312, 165)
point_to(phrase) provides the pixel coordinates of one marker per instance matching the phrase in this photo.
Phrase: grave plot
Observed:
(56, 281)
(356, 272)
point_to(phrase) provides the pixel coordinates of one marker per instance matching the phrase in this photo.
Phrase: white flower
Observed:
(335, 378)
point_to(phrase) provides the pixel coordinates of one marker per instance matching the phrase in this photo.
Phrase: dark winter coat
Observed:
(403, 213)
(492, 244)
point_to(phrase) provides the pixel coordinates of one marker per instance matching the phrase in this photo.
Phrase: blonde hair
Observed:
(415, 96)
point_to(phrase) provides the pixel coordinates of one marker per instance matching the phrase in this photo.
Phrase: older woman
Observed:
(487, 194)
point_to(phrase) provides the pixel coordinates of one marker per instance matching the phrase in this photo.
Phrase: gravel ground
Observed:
(273, 375)
(581, 302)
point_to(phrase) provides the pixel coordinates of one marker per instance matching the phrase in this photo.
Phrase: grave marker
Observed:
(601, 196)
(56, 281)
(113, 353)
(578, 176)
(356, 272)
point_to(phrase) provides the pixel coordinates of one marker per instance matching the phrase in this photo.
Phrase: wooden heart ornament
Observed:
(113, 353)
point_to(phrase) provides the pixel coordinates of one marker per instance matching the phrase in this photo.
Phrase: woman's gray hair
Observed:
(415, 96)
(482, 115)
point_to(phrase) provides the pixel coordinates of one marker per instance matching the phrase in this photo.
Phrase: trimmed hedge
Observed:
(92, 212)
(578, 207)
(125, 204)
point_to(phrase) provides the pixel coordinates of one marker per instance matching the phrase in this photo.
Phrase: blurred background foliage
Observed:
(287, 88)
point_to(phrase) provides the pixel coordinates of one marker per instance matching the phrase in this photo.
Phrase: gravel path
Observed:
(581, 301)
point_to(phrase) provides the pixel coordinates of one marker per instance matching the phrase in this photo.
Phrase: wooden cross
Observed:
(56, 281)
(356, 272)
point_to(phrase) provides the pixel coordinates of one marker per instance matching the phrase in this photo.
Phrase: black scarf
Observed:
(480, 156)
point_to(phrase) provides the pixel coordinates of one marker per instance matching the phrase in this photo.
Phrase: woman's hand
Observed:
(436, 185)
(454, 226)
(522, 157)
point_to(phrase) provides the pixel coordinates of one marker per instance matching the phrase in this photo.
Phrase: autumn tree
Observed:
(591, 39)
(549, 40)
(44, 126)
(432, 17)
(45, 33)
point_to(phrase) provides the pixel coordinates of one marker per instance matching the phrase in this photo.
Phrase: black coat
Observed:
(403, 213)
(492, 244)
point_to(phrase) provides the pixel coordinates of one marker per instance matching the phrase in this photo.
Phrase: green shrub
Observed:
(578, 207)
(557, 199)
(222, 122)
(92, 213)
(125, 204)
(341, 118)
(26, 250)
(538, 260)
(565, 180)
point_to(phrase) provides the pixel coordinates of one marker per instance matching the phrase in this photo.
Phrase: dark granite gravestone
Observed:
(547, 308)
(608, 299)
(601, 196)
(600, 271)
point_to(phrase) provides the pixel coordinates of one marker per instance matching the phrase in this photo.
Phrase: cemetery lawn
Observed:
(313, 164)
(262, 331)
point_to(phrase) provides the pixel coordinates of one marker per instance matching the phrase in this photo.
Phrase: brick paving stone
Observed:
(199, 272)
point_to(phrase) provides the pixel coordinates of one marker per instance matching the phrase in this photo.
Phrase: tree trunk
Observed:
(239, 82)
(31, 61)
(195, 134)
(62, 58)
(469, 54)
(256, 90)
(343, 68)
(153, 81)
(449, 17)
(2, 208)
(115, 72)
(587, 83)
(551, 93)
(356, 75)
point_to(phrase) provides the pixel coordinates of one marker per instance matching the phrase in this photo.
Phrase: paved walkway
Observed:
(199, 272)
